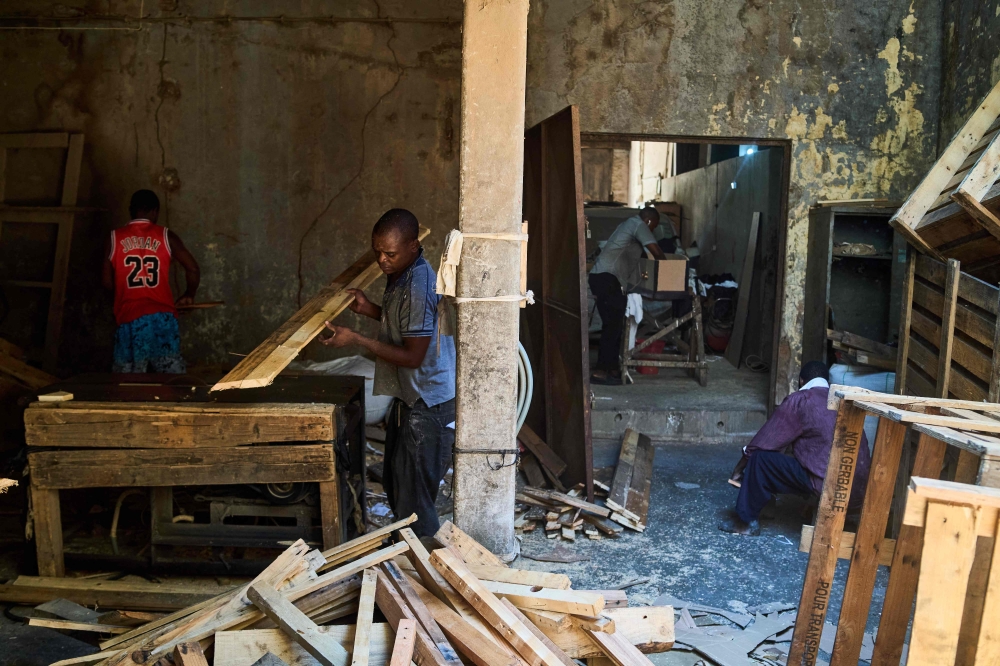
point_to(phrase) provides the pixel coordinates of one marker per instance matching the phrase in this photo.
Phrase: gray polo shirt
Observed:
(409, 310)
(620, 255)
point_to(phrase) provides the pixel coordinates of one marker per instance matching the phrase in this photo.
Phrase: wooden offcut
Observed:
(263, 364)
(545, 455)
(297, 624)
(471, 550)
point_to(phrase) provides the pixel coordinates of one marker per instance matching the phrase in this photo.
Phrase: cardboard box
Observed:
(664, 275)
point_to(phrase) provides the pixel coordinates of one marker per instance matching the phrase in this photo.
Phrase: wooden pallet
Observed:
(953, 213)
(955, 519)
(972, 428)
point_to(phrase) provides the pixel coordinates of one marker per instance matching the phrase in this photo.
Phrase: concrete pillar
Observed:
(494, 48)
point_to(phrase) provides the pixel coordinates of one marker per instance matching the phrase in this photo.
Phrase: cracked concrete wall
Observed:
(274, 144)
(853, 86)
(970, 60)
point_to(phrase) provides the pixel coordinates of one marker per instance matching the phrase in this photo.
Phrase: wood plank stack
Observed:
(858, 350)
(457, 604)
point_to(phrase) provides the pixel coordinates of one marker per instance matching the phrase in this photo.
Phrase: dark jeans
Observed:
(417, 456)
(611, 302)
(770, 473)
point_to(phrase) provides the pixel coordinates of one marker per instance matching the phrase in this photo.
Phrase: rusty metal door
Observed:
(554, 330)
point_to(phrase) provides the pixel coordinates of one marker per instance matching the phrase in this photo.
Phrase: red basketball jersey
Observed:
(140, 255)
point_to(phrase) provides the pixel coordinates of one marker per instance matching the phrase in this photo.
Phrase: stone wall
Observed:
(970, 63)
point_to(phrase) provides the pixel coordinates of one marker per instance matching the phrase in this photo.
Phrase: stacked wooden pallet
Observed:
(455, 604)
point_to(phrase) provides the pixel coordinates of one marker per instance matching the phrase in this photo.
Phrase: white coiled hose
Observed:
(525, 385)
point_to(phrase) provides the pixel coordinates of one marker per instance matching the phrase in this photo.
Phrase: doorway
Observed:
(707, 190)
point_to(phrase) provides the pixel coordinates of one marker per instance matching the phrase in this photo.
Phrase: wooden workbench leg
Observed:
(329, 512)
(864, 562)
(827, 535)
(48, 531)
(903, 574)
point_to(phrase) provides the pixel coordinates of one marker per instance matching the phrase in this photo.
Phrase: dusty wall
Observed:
(853, 86)
(274, 145)
(970, 63)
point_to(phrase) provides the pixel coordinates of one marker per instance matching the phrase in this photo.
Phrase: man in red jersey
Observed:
(138, 270)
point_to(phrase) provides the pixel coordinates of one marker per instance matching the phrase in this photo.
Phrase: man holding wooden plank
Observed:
(789, 455)
(420, 429)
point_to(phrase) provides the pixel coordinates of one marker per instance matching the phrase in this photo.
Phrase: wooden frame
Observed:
(940, 422)
(694, 360)
(62, 217)
(952, 212)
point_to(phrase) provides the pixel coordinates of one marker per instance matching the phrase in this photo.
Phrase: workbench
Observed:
(163, 431)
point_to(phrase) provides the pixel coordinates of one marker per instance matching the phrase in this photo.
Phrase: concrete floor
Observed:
(681, 552)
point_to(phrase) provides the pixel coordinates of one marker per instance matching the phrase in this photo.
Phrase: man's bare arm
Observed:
(410, 355)
(655, 250)
(192, 272)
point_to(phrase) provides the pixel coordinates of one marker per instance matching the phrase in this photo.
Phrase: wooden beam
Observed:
(189, 654)
(245, 647)
(556, 581)
(623, 470)
(546, 641)
(47, 515)
(545, 455)
(619, 650)
(912, 211)
(472, 551)
(263, 364)
(371, 540)
(734, 350)
(420, 559)
(513, 630)
(560, 601)
(420, 612)
(366, 609)
(977, 182)
(402, 649)
(947, 342)
(71, 175)
(296, 624)
(25, 374)
(79, 423)
(100, 468)
(395, 610)
(68, 625)
(846, 551)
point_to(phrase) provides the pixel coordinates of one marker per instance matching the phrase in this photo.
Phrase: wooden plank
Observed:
(557, 498)
(47, 515)
(244, 648)
(296, 624)
(99, 468)
(642, 476)
(368, 541)
(69, 625)
(826, 540)
(619, 650)
(949, 547)
(35, 140)
(545, 455)
(555, 581)
(421, 613)
(57, 294)
(994, 389)
(402, 649)
(975, 601)
(511, 628)
(909, 215)
(71, 176)
(546, 641)
(904, 416)
(156, 624)
(623, 470)
(25, 374)
(189, 654)
(734, 350)
(846, 551)
(865, 558)
(988, 644)
(175, 425)
(532, 470)
(977, 183)
(648, 628)
(860, 342)
(366, 610)
(347, 570)
(395, 610)
(947, 343)
(420, 559)
(472, 551)
(263, 364)
(559, 601)
(899, 593)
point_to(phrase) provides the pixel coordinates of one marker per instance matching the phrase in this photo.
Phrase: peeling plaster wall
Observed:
(970, 60)
(853, 86)
(274, 146)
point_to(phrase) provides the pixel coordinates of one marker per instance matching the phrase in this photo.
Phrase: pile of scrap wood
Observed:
(625, 503)
(456, 604)
(858, 350)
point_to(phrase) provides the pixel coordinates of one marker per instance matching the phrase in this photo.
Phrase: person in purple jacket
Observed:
(789, 455)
